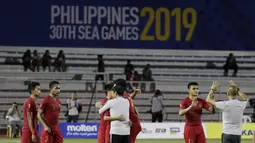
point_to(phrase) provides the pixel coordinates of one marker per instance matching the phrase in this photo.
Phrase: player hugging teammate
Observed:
(118, 86)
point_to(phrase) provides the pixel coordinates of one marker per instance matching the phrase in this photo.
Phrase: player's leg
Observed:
(200, 134)
(101, 135)
(134, 131)
(58, 138)
(189, 134)
(46, 137)
(38, 137)
(26, 136)
(107, 133)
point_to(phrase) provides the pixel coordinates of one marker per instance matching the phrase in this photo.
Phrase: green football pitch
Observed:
(138, 141)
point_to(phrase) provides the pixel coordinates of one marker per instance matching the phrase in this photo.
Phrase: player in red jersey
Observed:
(104, 127)
(192, 108)
(29, 130)
(134, 118)
(50, 108)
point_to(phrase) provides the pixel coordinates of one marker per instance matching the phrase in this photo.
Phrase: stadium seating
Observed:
(172, 70)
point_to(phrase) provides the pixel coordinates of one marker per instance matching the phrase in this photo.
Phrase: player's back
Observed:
(193, 116)
(133, 116)
(120, 106)
(30, 106)
(51, 110)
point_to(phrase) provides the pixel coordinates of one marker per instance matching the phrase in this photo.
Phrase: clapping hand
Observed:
(215, 85)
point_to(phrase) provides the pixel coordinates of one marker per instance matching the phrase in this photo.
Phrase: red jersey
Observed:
(51, 110)
(104, 127)
(133, 116)
(193, 116)
(31, 107)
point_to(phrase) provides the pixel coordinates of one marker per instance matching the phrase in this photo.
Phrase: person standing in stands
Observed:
(128, 71)
(147, 77)
(60, 62)
(36, 61)
(100, 68)
(26, 60)
(231, 63)
(46, 60)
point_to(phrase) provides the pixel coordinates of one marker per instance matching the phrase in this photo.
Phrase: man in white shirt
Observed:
(74, 108)
(119, 115)
(13, 116)
(232, 112)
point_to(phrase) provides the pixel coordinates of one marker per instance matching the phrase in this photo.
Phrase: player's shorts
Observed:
(227, 138)
(54, 136)
(120, 138)
(194, 134)
(27, 136)
(134, 131)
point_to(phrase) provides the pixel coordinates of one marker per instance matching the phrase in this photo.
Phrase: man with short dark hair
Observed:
(192, 108)
(232, 112)
(119, 115)
(104, 127)
(134, 118)
(29, 131)
(50, 107)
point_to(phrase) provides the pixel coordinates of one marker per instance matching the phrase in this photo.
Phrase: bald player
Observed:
(232, 112)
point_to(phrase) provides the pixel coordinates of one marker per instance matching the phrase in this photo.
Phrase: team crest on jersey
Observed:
(200, 105)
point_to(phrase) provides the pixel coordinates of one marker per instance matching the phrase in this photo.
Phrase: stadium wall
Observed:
(151, 130)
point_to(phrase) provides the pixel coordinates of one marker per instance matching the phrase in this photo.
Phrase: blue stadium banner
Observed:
(152, 24)
(77, 130)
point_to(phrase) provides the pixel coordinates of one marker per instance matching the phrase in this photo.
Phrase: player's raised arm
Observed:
(183, 106)
(210, 98)
(136, 91)
(39, 115)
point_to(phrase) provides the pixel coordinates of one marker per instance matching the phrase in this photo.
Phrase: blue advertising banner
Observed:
(77, 130)
(152, 24)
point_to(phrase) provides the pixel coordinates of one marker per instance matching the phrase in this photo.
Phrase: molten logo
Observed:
(81, 128)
